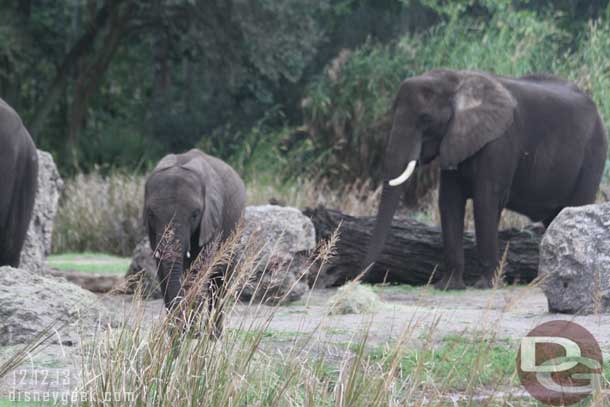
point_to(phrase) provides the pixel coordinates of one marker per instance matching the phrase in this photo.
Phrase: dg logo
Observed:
(560, 363)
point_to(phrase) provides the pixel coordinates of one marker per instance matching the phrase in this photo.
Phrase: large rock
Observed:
(30, 303)
(575, 260)
(38, 240)
(281, 238)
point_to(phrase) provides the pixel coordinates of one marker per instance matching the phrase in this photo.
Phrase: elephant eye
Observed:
(195, 214)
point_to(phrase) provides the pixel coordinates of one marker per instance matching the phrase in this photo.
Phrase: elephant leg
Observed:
(215, 305)
(17, 203)
(452, 203)
(487, 210)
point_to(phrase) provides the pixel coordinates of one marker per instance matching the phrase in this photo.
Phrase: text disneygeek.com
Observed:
(55, 386)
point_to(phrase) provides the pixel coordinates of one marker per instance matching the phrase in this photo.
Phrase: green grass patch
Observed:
(392, 288)
(89, 262)
(409, 289)
(457, 363)
(283, 335)
(266, 334)
(430, 290)
(336, 331)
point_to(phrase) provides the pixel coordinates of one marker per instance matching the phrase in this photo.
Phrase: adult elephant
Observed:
(18, 183)
(534, 145)
(192, 200)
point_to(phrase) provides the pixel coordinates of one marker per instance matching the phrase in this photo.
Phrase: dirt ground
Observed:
(510, 312)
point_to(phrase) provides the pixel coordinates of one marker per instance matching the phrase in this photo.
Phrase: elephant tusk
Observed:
(188, 254)
(157, 254)
(404, 176)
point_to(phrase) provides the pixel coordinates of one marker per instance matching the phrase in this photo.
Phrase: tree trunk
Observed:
(161, 61)
(89, 80)
(84, 45)
(413, 250)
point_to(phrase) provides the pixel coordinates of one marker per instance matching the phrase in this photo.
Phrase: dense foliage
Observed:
(346, 109)
(296, 85)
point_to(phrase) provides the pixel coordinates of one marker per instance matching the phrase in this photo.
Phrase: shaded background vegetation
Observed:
(283, 90)
(302, 83)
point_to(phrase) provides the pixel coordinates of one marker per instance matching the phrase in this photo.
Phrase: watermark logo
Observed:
(58, 387)
(560, 363)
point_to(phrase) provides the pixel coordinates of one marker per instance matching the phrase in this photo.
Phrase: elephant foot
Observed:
(450, 283)
(484, 282)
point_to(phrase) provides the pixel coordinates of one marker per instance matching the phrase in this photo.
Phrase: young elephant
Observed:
(200, 199)
(18, 182)
(534, 145)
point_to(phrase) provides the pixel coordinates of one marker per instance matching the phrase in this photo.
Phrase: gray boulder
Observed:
(30, 303)
(279, 237)
(142, 273)
(283, 238)
(575, 260)
(37, 245)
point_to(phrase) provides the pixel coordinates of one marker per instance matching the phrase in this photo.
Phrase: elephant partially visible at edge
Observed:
(534, 145)
(202, 199)
(18, 184)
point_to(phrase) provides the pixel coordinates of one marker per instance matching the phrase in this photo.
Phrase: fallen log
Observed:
(413, 250)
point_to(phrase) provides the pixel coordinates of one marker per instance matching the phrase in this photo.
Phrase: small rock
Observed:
(37, 245)
(143, 272)
(575, 260)
(30, 303)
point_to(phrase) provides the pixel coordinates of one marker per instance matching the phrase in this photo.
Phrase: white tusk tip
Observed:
(404, 176)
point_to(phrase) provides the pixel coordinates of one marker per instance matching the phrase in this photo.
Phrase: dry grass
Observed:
(103, 214)
(176, 361)
(358, 198)
(354, 298)
(100, 214)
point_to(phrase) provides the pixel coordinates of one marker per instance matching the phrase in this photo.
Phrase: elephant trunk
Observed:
(401, 157)
(389, 201)
(173, 283)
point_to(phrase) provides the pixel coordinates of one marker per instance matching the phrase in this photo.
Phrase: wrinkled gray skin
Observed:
(202, 198)
(533, 145)
(18, 182)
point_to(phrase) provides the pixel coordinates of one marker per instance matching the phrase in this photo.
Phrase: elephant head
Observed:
(446, 114)
(182, 212)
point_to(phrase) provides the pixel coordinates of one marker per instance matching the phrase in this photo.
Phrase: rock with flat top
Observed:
(31, 303)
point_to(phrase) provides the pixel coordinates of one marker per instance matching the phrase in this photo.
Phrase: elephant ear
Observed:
(168, 161)
(211, 219)
(483, 111)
